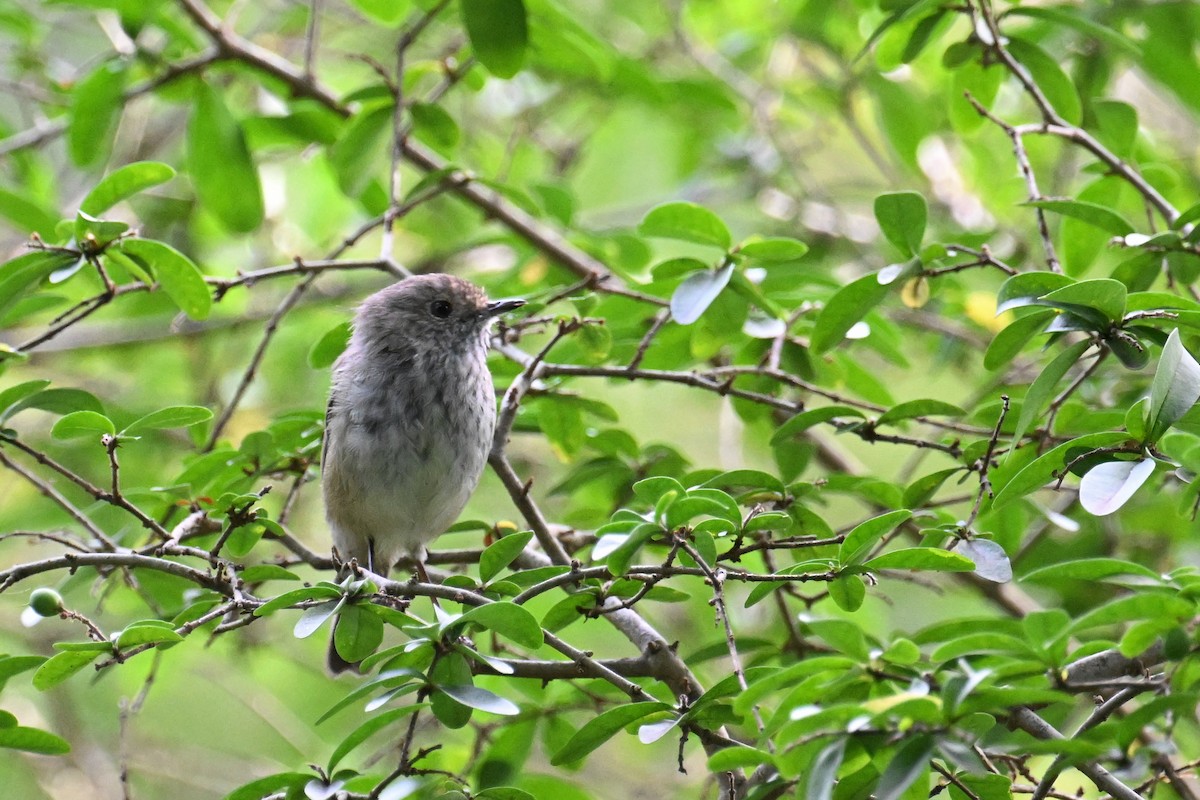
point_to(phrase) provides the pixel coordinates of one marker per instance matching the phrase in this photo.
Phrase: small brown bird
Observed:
(410, 420)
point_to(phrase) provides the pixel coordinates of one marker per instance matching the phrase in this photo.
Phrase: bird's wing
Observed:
(328, 428)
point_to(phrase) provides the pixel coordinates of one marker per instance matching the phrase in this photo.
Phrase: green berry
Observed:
(46, 602)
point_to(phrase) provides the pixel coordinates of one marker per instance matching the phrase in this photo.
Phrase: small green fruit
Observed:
(46, 602)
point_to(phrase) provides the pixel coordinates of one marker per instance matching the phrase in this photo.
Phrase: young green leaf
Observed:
(331, 345)
(686, 222)
(95, 108)
(1024, 289)
(1043, 469)
(849, 305)
(822, 775)
(358, 632)
(502, 552)
(25, 272)
(1050, 77)
(171, 417)
(61, 666)
(601, 728)
(806, 419)
(923, 558)
(33, 740)
(1043, 387)
(175, 273)
(509, 620)
(858, 542)
(910, 763)
(1096, 215)
(499, 34)
(901, 217)
(773, 249)
(919, 408)
(1104, 295)
(123, 183)
(220, 164)
(1108, 486)
(367, 730)
(82, 423)
(1175, 388)
(148, 632)
(1089, 569)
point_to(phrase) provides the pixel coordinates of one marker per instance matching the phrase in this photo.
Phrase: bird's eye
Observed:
(440, 309)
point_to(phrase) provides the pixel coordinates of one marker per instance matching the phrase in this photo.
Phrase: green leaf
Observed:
(355, 154)
(61, 666)
(1108, 486)
(28, 216)
(170, 417)
(509, 620)
(357, 633)
(59, 401)
(25, 272)
(697, 293)
(369, 729)
(901, 217)
(124, 183)
(848, 592)
(499, 34)
(1146, 605)
(314, 617)
(773, 249)
(849, 305)
(33, 740)
(1012, 339)
(175, 273)
(1092, 213)
(919, 408)
(919, 492)
(1041, 470)
(502, 552)
(910, 763)
(1089, 569)
(1117, 125)
(256, 790)
(220, 165)
(289, 599)
(1024, 289)
(1175, 389)
(431, 123)
(806, 419)
(858, 542)
(823, 773)
(331, 345)
(82, 423)
(1041, 391)
(601, 728)
(1104, 295)
(923, 558)
(686, 222)
(1050, 77)
(149, 632)
(15, 665)
(481, 700)
(15, 394)
(96, 103)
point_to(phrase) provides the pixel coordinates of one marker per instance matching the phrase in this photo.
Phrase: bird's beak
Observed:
(497, 307)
